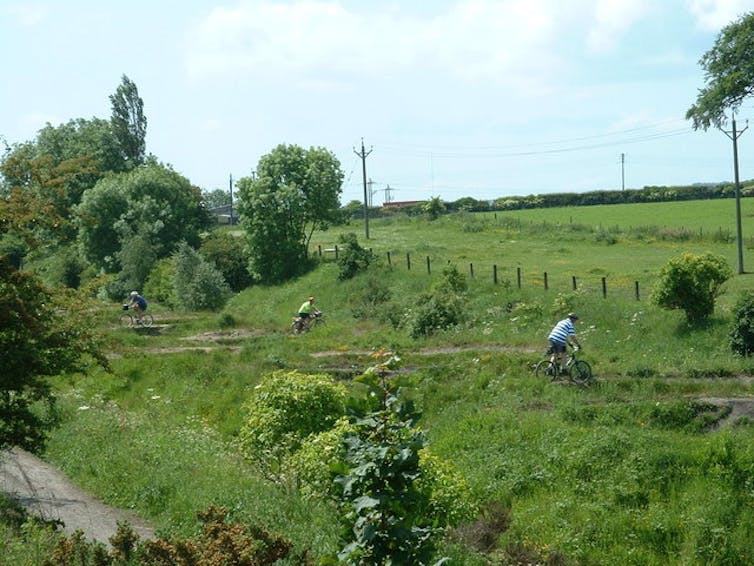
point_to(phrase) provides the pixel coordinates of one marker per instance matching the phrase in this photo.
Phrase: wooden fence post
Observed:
(389, 261)
(546, 286)
(636, 290)
(471, 270)
(408, 261)
(319, 249)
(604, 287)
(336, 252)
(518, 277)
(494, 274)
(573, 281)
(428, 269)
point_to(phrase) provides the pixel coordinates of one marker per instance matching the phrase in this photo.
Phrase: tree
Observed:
(741, 334)
(295, 192)
(128, 121)
(433, 208)
(692, 282)
(729, 74)
(197, 284)
(39, 336)
(152, 205)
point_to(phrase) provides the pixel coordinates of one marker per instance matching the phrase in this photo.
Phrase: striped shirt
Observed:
(562, 331)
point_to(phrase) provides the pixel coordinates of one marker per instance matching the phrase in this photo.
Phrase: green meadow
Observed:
(653, 463)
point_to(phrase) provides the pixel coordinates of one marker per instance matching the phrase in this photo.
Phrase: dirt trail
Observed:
(46, 492)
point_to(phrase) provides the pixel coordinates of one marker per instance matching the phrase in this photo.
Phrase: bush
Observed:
(197, 284)
(352, 258)
(230, 256)
(741, 335)
(284, 409)
(691, 283)
(159, 284)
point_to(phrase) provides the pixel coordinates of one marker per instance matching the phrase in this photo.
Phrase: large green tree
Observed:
(128, 121)
(39, 336)
(294, 192)
(139, 215)
(729, 74)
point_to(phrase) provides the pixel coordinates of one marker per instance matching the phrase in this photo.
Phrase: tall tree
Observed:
(295, 192)
(128, 121)
(729, 74)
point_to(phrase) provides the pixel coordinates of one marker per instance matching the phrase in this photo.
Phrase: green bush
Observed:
(229, 255)
(197, 285)
(352, 258)
(691, 283)
(159, 284)
(741, 335)
(284, 409)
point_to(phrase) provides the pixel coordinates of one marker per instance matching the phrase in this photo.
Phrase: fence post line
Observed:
(494, 274)
(636, 290)
(573, 280)
(428, 270)
(546, 285)
(408, 261)
(604, 287)
(518, 277)
(389, 261)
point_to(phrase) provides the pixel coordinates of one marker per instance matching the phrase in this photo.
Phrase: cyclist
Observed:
(563, 333)
(138, 304)
(306, 310)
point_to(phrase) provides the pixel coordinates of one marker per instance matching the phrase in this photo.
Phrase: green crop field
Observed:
(653, 463)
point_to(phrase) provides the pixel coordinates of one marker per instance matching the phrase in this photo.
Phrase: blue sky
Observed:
(476, 98)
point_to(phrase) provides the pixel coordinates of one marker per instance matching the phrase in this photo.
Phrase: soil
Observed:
(44, 491)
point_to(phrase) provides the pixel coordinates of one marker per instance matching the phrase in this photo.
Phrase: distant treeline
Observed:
(354, 209)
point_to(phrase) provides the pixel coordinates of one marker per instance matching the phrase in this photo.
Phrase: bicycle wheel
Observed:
(146, 321)
(581, 372)
(297, 327)
(546, 368)
(126, 320)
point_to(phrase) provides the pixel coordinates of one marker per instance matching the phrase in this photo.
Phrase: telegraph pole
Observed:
(363, 155)
(622, 171)
(733, 135)
(230, 186)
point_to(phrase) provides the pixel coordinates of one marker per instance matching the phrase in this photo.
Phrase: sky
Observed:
(451, 99)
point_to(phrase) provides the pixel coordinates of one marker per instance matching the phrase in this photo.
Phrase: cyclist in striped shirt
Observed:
(563, 333)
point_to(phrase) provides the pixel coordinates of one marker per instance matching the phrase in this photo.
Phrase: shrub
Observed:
(741, 335)
(352, 258)
(691, 282)
(196, 283)
(159, 284)
(370, 297)
(230, 256)
(284, 409)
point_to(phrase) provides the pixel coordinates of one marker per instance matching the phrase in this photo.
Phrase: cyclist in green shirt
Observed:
(305, 310)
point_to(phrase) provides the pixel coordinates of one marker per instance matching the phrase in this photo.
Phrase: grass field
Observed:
(642, 467)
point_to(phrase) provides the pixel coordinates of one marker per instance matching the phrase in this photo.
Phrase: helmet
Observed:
(134, 293)
(573, 316)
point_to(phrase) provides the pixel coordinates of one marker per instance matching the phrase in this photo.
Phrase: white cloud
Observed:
(713, 15)
(612, 18)
(322, 40)
(27, 14)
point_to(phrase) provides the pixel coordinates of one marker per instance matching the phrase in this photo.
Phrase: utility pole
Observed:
(622, 171)
(388, 194)
(363, 155)
(230, 186)
(733, 135)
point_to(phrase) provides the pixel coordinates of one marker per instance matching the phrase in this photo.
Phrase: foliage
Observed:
(128, 122)
(728, 73)
(41, 335)
(385, 518)
(352, 258)
(691, 282)
(151, 204)
(197, 285)
(216, 198)
(433, 208)
(294, 192)
(443, 307)
(741, 334)
(229, 255)
(159, 284)
(283, 410)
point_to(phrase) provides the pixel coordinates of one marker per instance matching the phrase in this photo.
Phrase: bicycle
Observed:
(128, 320)
(578, 371)
(301, 325)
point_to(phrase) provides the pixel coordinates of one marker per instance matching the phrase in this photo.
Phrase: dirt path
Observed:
(46, 492)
